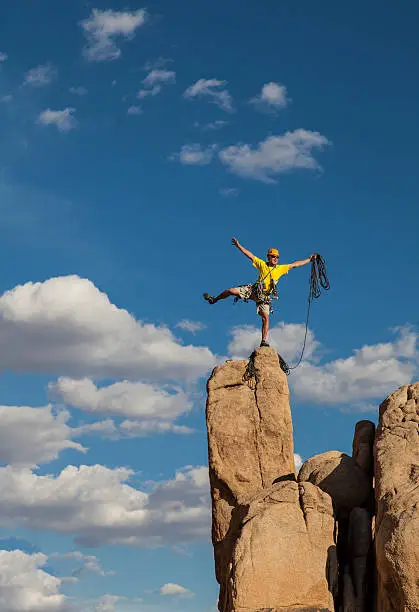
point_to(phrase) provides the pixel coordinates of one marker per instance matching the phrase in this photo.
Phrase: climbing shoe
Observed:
(209, 298)
(263, 343)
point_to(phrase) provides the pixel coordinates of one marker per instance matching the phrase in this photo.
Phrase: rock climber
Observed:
(264, 290)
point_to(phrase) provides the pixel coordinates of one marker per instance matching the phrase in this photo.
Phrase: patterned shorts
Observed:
(246, 293)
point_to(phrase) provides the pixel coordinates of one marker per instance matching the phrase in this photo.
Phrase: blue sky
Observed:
(136, 141)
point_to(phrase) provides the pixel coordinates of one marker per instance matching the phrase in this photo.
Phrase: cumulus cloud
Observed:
(31, 436)
(212, 89)
(273, 96)
(275, 155)
(41, 75)
(98, 506)
(285, 338)
(154, 81)
(107, 603)
(3, 57)
(175, 590)
(135, 400)
(78, 91)
(212, 125)
(159, 76)
(66, 326)
(372, 372)
(26, 587)
(191, 326)
(135, 110)
(229, 192)
(62, 119)
(145, 427)
(146, 93)
(103, 27)
(86, 563)
(298, 461)
(195, 155)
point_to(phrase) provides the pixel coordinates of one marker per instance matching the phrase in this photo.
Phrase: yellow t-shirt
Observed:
(267, 273)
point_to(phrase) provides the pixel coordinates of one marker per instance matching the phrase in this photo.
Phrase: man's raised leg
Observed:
(225, 294)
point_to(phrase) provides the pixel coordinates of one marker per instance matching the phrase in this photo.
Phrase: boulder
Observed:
(359, 546)
(396, 459)
(362, 446)
(338, 475)
(285, 555)
(250, 442)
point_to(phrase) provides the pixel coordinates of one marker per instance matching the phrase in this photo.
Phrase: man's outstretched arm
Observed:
(248, 254)
(302, 262)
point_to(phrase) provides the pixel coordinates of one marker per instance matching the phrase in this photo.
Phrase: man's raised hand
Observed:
(235, 242)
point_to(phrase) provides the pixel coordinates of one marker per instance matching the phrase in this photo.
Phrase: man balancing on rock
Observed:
(264, 290)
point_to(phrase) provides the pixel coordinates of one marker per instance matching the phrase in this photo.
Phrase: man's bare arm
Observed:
(248, 254)
(301, 262)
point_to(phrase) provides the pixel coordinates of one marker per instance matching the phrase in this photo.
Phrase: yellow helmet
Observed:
(273, 252)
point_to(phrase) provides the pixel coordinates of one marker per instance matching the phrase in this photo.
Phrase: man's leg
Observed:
(265, 327)
(225, 294)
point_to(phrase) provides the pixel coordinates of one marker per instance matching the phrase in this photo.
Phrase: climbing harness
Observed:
(318, 281)
(259, 292)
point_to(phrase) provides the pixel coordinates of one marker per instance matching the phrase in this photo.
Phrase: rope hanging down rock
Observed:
(318, 281)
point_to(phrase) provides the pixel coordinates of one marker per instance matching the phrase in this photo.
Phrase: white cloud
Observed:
(41, 75)
(135, 110)
(195, 155)
(86, 563)
(6, 98)
(102, 27)
(298, 461)
(372, 372)
(78, 91)
(272, 97)
(145, 427)
(99, 507)
(135, 400)
(107, 603)
(275, 155)
(66, 326)
(3, 57)
(145, 93)
(159, 76)
(229, 192)
(191, 326)
(175, 590)
(31, 436)
(212, 89)
(285, 338)
(26, 587)
(62, 119)
(212, 125)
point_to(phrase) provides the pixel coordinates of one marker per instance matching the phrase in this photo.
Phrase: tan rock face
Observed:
(359, 545)
(285, 557)
(396, 458)
(338, 475)
(249, 439)
(362, 446)
(273, 539)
